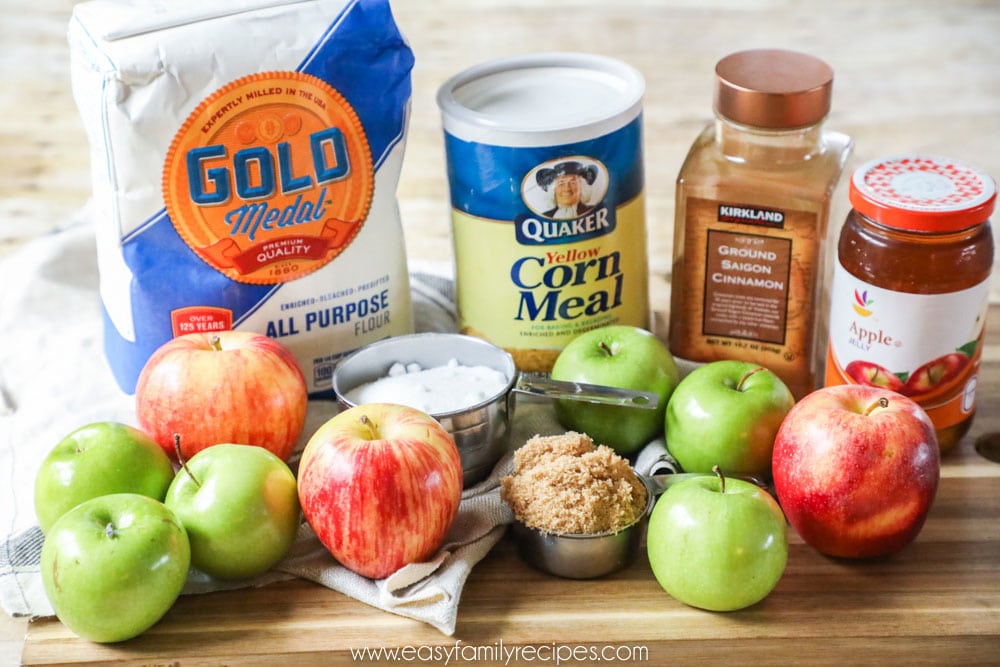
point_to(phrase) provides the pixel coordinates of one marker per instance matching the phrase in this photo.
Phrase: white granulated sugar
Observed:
(436, 390)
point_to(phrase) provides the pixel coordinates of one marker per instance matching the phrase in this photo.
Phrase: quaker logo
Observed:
(566, 198)
(751, 215)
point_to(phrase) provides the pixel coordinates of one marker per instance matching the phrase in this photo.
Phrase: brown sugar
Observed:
(564, 484)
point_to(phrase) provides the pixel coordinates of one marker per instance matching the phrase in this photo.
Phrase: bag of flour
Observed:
(245, 157)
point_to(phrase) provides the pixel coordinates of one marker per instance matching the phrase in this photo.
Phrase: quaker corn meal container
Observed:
(244, 164)
(545, 170)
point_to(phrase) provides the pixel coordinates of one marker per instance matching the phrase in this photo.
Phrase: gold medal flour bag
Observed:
(245, 160)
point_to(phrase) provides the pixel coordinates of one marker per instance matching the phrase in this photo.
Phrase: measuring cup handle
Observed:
(541, 384)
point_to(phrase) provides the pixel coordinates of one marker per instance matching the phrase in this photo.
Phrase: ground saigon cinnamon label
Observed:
(748, 278)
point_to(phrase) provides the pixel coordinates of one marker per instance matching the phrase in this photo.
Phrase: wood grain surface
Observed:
(936, 602)
(911, 76)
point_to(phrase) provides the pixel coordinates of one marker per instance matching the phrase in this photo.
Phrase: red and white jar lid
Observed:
(923, 193)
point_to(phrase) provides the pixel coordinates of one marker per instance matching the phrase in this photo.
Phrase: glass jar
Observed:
(911, 285)
(752, 209)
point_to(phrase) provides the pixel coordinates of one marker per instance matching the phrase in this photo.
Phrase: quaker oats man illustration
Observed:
(567, 183)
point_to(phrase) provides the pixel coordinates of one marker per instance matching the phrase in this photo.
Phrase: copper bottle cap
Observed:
(773, 88)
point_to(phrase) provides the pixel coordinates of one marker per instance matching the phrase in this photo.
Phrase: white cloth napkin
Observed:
(54, 378)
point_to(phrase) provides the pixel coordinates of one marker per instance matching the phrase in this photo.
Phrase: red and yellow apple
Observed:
(935, 373)
(856, 469)
(231, 386)
(380, 484)
(870, 373)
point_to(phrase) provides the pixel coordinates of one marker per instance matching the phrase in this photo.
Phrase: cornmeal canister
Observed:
(911, 285)
(545, 170)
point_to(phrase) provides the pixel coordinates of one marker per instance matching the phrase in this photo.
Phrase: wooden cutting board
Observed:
(938, 601)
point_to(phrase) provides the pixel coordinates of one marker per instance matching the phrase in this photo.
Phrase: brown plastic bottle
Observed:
(753, 204)
(911, 285)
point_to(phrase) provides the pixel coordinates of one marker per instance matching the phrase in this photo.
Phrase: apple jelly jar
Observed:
(911, 285)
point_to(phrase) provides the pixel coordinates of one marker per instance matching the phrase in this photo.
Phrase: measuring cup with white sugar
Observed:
(466, 383)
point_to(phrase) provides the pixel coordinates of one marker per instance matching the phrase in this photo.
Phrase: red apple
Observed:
(856, 469)
(380, 484)
(866, 372)
(935, 373)
(231, 386)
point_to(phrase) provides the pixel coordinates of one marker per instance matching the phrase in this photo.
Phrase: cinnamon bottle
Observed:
(752, 206)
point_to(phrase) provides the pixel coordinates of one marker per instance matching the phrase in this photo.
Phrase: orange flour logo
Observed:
(270, 177)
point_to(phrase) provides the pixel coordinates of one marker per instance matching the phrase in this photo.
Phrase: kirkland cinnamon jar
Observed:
(753, 202)
(911, 285)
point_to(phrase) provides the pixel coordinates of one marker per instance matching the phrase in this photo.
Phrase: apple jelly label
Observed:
(549, 241)
(925, 346)
(270, 177)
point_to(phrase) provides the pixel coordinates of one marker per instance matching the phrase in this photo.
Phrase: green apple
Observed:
(727, 413)
(113, 565)
(240, 507)
(96, 460)
(619, 356)
(715, 543)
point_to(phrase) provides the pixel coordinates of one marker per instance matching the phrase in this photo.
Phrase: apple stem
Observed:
(216, 343)
(606, 349)
(109, 530)
(746, 376)
(370, 427)
(180, 457)
(722, 478)
(882, 402)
